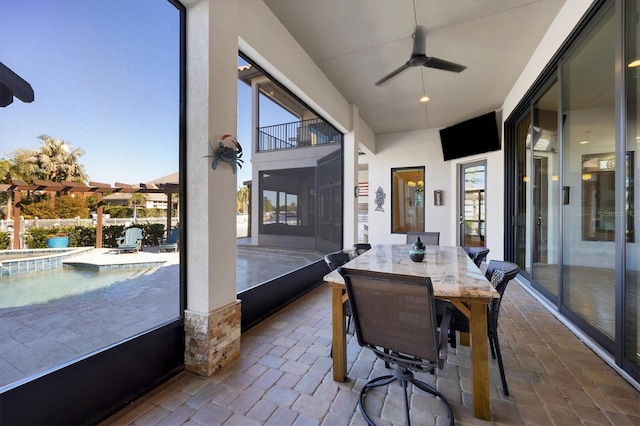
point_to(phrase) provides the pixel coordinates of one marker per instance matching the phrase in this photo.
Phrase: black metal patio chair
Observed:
(395, 318)
(360, 248)
(428, 238)
(477, 254)
(500, 273)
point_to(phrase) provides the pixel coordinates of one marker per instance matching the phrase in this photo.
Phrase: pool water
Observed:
(44, 286)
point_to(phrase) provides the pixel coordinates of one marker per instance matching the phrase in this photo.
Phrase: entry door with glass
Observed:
(472, 204)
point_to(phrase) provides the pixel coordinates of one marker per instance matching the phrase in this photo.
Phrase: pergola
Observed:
(15, 188)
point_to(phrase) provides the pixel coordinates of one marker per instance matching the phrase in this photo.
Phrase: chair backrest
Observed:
(509, 269)
(337, 259)
(173, 235)
(132, 235)
(394, 312)
(478, 254)
(428, 238)
(500, 273)
(360, 248)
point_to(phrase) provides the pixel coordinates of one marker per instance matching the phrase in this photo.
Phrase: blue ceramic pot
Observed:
(58, 242)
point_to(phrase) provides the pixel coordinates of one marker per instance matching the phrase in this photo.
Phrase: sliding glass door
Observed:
(545, 191)
(631, 352)
(588, 289)
(574, 142)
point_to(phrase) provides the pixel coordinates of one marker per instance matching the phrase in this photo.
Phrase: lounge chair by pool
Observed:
(131, 242)
(171, 242)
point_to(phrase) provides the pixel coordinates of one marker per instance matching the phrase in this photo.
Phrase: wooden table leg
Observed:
(479, 361)
(338, 337)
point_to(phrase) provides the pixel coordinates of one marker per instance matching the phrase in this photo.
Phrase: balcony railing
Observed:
(313, 132)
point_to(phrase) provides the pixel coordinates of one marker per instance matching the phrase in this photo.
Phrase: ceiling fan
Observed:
(420, 59)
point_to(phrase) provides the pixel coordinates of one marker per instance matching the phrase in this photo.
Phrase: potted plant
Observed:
(58, 240)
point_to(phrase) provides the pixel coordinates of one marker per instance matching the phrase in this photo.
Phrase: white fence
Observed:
(27, 224)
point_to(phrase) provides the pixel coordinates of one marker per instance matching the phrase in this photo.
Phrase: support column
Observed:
(99, 213)
(212, 318)
(16, 219)
(350, 179)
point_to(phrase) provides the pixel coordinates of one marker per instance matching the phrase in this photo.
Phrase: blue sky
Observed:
(105, 76)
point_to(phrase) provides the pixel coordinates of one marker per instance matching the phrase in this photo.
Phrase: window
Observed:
(286, 201)
(114, 94)
(407, 200)
(598, 193)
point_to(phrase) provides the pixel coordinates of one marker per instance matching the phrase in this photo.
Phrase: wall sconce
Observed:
(438, 199)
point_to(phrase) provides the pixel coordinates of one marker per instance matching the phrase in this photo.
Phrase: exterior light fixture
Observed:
(424, 99)
(634, 63)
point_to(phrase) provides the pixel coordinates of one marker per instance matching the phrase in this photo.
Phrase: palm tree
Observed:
(135, 200)
(58, 161)
(243, 199)
(24, 165)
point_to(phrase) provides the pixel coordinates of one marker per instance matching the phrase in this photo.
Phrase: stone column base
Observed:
(211, 339)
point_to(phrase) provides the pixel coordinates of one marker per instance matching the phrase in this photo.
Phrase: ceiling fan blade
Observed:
(441, 64)
(398, 71)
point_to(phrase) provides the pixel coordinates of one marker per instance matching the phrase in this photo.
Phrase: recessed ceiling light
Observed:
(424, 99)
(635, 63)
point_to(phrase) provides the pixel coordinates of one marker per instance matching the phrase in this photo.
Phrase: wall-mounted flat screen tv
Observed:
(470, 137)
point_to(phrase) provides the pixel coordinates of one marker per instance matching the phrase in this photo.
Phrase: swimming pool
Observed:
(19, 261)
(45, 286)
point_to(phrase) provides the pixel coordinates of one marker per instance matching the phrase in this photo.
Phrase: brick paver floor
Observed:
(283, 377)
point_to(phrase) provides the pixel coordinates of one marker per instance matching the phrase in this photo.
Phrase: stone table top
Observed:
(453, 274)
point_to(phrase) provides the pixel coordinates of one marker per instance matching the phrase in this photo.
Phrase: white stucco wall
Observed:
(423, 148)
(266, 41)
(409, 149)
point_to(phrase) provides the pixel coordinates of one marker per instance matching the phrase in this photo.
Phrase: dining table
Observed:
(454, 277)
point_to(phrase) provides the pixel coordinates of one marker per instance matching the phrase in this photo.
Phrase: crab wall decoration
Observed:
(231, 155)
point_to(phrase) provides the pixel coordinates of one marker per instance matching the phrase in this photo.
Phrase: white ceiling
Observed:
(357, 42)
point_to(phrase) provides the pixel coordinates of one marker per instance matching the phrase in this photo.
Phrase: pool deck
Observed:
(109, 258)
(39, 337)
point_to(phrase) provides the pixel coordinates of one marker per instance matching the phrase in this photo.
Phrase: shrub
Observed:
(152, 233)
(110, 235)
(85, 236)
(118, 211)
(4, 240)
(37, 237)
(42, 209)
(61, 206)
(67, 206)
